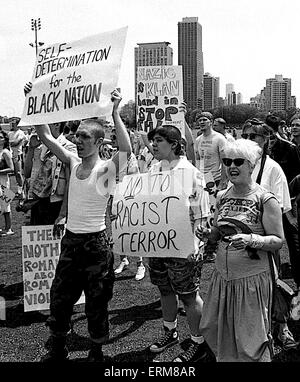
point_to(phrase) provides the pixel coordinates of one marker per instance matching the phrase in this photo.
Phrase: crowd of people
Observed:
(257, 188)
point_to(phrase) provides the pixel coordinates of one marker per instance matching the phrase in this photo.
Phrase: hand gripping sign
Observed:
(74, 80)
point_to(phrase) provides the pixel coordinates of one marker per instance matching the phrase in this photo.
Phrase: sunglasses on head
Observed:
(251, 136)
(237, 161)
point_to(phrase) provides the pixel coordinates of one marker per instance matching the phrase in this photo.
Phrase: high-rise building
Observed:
(239, 99)
(229, 89)
(152, 54)
(190, 56)
(211, 90)
(278, 93)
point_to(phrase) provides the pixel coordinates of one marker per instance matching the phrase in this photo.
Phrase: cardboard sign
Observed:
(6, 196)
(74, 80)
(152, 215)
(159, 95)
(40, 255)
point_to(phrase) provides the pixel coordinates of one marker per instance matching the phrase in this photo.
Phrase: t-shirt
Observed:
(209, 149)
(15, 136)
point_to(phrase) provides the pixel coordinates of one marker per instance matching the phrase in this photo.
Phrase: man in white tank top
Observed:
(86, 260)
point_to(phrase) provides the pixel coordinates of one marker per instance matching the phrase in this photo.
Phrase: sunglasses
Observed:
(251, 136)
(237, 161)
(295, 125)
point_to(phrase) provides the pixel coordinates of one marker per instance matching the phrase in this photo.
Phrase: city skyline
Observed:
(241, 43)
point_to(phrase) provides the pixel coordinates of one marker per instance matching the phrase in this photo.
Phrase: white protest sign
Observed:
(152, 215)
(159, 95)
(74, 80)
(40, 255)
(6, 196)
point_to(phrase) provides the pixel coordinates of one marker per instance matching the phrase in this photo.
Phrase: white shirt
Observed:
(209, 149)
(86, 203)
(274, 180)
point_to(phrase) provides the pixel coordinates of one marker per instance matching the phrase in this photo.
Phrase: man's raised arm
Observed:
(44, 133)
(125, 149)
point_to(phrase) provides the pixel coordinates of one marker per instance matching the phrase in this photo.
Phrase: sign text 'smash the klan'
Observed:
(74, 80)
(152, 215)
(159, 95)
(40, 255)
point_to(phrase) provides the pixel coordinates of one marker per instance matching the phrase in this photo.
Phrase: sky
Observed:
(243, 42)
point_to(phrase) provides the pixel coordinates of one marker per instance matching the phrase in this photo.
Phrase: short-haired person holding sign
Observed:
(177, 277)
(86, 260)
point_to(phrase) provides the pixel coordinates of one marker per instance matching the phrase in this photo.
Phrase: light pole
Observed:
(35, 26)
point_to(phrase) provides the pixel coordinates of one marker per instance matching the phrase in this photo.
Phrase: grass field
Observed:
(134, 314)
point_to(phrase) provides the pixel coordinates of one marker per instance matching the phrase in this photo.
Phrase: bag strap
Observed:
(262, 165)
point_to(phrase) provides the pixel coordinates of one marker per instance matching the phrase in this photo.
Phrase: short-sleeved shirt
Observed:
(209, 149)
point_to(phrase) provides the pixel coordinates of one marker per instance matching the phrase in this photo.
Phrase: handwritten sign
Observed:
(6, 196)
(40, 255)
(73, 81)
(152, 215)
(159, 95)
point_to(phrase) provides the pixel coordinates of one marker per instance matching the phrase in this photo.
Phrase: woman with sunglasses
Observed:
(236, 318)
(269, 174)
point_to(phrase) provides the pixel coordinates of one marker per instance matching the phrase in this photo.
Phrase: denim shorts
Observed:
(172, 274)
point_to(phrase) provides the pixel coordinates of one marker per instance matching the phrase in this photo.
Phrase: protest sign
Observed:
(159, 95)
(74, 80)
(6, 196)
(40, 255)
(152, 215)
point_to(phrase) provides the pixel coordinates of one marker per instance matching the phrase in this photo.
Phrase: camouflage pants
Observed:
(85, 264)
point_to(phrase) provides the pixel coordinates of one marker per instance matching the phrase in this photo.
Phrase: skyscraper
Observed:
(210, 92)
(278, 93)
(152, 54)
(190, 56)
(228, 93)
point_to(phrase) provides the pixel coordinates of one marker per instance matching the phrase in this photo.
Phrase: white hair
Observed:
(243, 148)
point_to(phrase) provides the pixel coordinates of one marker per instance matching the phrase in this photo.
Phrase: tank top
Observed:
(86, 204)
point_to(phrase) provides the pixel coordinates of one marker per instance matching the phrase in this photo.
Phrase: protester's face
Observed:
(295, 130)
(86, 142)
(238, 172)
(256, 137)
(162, 149)
(219, 127)
(272, 138)
(55, 129)
(204, 124)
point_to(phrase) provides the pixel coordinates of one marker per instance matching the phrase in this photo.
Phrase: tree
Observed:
(128, 114)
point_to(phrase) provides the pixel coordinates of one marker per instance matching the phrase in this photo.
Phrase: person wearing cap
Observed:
(219, 126)
(178, 278)
(208, 147)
